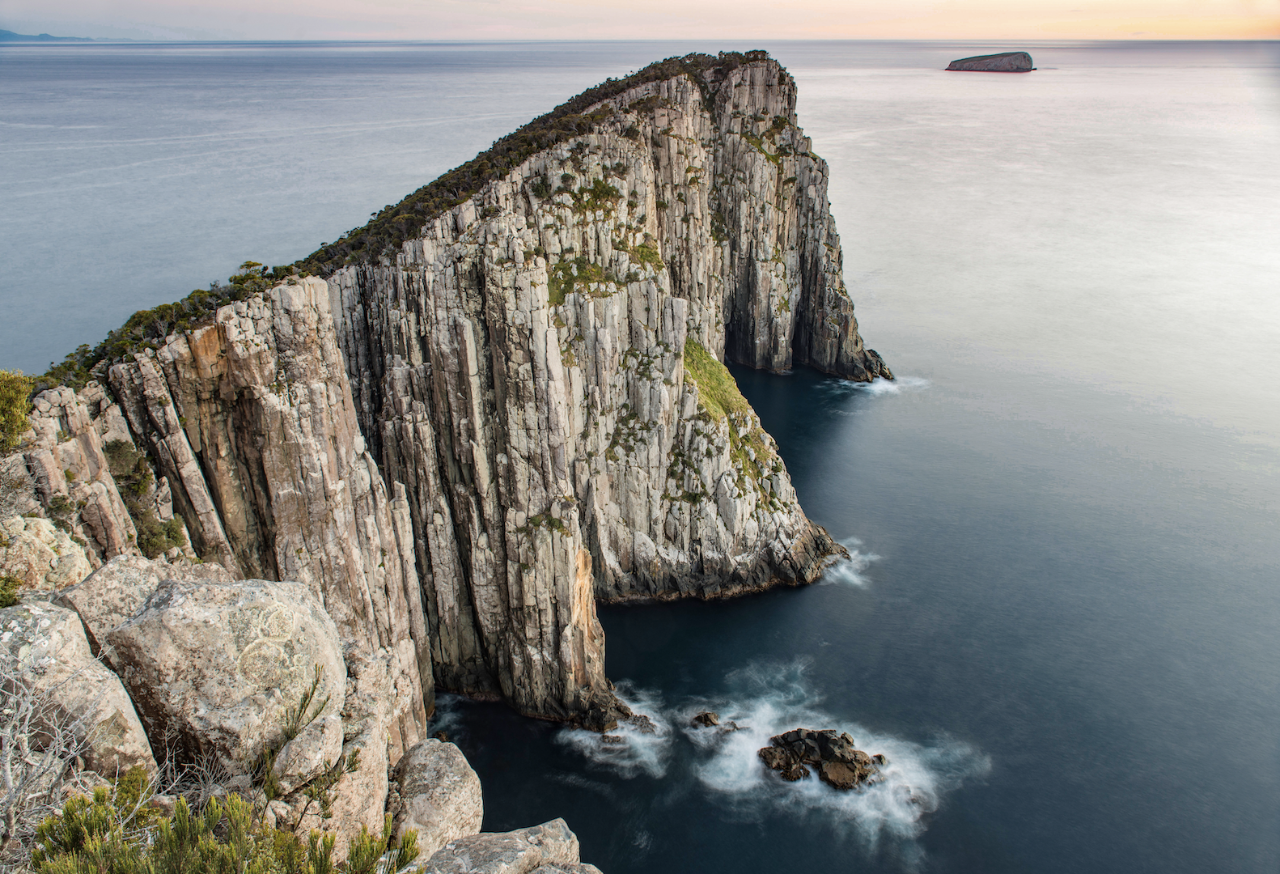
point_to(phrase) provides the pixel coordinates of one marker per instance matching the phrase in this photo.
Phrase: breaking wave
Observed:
(633, 748)
(763, 700)
(768, 699)
(876, 387)
(849, 571)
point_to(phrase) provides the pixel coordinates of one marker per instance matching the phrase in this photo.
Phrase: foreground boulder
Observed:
(109, 597)
(43, 652)
(40, 555)
(1004, 62)
(217, 664)
(838, 763)
(439, 795)
(549, 848)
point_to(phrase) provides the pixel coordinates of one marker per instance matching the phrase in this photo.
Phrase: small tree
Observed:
(14, 406)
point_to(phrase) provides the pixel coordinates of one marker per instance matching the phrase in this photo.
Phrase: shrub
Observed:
(9, 587)
(38, 740)
(113, 834)
(15, 390)
(717, 390)
(133, 477)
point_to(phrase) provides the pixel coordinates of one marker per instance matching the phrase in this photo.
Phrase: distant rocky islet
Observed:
(1004, 62)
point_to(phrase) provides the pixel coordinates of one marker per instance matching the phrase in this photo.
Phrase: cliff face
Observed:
(461, 445)
(252, 421)
(523, 368)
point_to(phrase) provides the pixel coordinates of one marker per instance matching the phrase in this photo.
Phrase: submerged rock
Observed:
(1004, 62)
(834, 756)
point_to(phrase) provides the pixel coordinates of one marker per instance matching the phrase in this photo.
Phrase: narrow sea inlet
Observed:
(1059, 620)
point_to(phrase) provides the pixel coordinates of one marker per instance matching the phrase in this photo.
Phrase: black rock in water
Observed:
(839, 764)
(1005, 62)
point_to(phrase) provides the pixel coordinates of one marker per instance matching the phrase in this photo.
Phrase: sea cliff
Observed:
(461, 438)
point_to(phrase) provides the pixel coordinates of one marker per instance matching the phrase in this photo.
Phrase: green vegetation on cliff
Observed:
(717, 391)
(14, 406)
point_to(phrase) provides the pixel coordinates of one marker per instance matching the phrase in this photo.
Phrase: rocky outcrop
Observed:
(833, 755)
(43, 648)
(460, 446)
(1004, 62)
(549, 848)
(215, 666)
(437, 794)
(111, 595)
(40, 555)
(540, 367)
(70, 471)
(251, 421)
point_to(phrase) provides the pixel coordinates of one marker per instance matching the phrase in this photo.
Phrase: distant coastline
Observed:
(10, 36)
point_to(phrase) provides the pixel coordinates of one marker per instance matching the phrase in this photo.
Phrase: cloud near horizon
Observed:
(648, 19)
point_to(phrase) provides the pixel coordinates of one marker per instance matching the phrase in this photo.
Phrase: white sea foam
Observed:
(876, 387)
(849, 571)
(630, 749)
(767, 699)
(448, 717)
(892, 386)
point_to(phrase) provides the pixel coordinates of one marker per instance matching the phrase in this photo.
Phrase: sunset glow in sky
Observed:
(648, 19)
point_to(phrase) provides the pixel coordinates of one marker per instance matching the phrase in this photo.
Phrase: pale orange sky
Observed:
(649, 19)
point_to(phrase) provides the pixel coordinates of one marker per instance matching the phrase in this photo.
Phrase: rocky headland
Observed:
(269, 522)
(1004, 62)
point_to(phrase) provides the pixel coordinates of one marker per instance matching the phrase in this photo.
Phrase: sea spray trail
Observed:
(765, 699)
(876, 388)
(631, 749)
(762, 700)
(849, 571)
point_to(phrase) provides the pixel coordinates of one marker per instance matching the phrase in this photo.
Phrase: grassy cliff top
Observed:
(394, 224)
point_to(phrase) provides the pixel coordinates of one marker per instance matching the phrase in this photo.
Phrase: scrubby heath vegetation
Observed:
(391, 226)
(132, 473)
(120, 831)
(14, 407)
(395, 224)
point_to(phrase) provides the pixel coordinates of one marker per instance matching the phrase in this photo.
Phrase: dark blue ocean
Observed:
(1061, 621)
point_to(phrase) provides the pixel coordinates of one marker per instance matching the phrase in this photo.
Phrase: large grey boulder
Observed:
(109, 597)
(43, 648)
(41, 555)
(542, 849)
(217, 664)
(439, 795)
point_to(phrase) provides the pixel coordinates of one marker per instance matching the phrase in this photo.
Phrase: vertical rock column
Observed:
(259, 404)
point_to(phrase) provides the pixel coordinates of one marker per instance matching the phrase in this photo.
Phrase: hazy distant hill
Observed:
(10, 36)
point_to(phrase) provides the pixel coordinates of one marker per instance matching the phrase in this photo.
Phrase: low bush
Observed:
(117, 832)
(15, 390)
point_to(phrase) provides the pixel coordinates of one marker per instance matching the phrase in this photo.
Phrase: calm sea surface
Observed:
(1062, 620)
